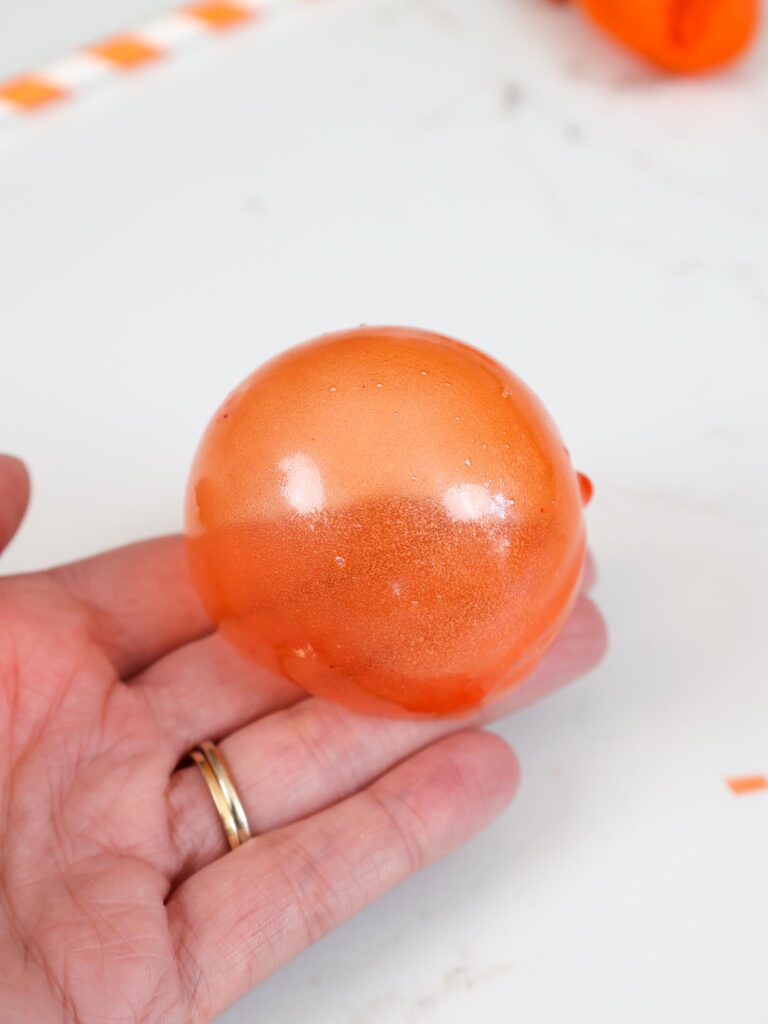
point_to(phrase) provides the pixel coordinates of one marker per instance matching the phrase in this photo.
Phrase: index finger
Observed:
(140, 601)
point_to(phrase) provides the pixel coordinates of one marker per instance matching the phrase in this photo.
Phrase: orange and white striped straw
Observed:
(156, 40)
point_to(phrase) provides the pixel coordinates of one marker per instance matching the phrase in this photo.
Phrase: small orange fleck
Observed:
(31, 92)
(220, 14)
(747, 784)
(586, 488)
(126, 51)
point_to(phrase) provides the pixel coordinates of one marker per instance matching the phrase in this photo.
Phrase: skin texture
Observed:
(118, 899)
(682, 36)
(389, 518)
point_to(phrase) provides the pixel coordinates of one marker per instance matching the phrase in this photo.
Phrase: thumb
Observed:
(14, 496)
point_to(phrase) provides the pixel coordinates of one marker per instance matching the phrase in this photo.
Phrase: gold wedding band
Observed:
(213, 768)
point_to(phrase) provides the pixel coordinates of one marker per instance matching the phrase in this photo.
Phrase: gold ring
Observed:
(213, 768)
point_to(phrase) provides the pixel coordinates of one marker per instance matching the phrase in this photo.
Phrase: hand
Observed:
(118, 899)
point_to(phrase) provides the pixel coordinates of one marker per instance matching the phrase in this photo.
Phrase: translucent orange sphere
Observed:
(390, 519)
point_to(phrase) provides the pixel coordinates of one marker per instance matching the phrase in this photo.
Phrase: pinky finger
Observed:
(242, 917)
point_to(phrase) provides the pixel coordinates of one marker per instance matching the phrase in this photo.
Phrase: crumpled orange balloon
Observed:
(388, 518)
(683, 36)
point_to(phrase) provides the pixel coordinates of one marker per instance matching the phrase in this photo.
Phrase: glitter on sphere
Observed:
(355, 538)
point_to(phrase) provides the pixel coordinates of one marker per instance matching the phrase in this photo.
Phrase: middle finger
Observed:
(207, 689)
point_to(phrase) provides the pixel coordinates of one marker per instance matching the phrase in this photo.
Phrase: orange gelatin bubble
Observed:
(683, 36)
(390, 519)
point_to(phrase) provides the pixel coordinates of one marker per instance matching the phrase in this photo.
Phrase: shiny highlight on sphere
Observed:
(388, 518)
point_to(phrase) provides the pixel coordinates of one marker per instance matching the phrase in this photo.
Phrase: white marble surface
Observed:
(491, 169)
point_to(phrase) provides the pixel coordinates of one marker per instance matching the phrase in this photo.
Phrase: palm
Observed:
(87, 855)
(116, 899)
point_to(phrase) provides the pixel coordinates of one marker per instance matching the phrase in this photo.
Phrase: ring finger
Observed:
(294, 762)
